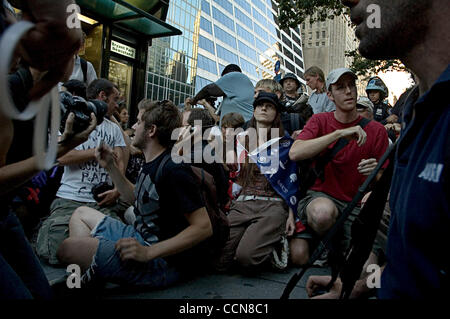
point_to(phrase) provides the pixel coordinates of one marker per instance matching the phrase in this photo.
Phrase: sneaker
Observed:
(322, 261)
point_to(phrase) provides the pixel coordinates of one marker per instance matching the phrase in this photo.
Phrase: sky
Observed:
(397, 82)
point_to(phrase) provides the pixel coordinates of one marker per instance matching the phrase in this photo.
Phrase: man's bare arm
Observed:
(305, 149)
(207, 91)
(198, 230)
(77, 157)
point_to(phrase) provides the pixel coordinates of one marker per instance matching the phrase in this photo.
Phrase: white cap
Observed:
(335, 75)
(364, 102)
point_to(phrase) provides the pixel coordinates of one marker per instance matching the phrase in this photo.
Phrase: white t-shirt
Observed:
(77, 73)
(78, 179)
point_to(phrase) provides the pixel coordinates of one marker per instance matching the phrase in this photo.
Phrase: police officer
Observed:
(377, 92)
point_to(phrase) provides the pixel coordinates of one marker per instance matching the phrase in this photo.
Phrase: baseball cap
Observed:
(364, 103)
(268, 97)
(336, 74)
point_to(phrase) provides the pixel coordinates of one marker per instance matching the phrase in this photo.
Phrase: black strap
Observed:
(342, 142)
(83, 63)
(363, 233)
(160, 168)
(330, 154)
(326, 241)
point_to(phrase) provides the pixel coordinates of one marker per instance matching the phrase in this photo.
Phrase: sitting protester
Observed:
(82, 176)
(216, 169)
(260, 216)
(319, 101)
(293, 101)
(171, 219)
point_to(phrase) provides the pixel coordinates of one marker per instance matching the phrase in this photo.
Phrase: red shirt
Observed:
(342, 178)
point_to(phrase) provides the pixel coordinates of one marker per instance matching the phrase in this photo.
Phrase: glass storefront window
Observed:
(121, 73)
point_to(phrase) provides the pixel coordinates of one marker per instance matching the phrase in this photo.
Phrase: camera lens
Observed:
(82, 110)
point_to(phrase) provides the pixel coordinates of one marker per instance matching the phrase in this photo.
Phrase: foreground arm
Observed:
(198, 230)
(320, 282)
(16, 174)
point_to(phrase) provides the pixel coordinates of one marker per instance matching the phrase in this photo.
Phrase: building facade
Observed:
(326, 42)
(215, 34)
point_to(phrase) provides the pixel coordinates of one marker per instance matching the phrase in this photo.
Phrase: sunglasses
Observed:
(163, 102)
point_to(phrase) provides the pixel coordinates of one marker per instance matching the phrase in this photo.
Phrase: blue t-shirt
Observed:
(419, 240)
(239, 91)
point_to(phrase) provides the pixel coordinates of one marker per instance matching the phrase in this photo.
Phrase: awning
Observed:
(141, 16)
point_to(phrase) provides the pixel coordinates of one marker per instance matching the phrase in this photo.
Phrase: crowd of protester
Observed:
(121, 205)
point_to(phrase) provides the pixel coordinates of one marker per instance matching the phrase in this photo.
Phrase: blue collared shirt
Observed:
(419, 233)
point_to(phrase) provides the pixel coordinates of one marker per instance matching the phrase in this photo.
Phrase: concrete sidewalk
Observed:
(263, 285)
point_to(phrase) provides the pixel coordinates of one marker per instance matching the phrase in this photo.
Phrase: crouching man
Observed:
(171, 218)
(343, 173)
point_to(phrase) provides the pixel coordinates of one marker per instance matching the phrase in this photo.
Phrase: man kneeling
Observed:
(171, 218)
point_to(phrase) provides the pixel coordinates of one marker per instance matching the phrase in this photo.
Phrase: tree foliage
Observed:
(294, 12)
(363, 66)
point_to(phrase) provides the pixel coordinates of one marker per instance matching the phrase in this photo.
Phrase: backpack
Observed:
(218, 219)
(84, 66)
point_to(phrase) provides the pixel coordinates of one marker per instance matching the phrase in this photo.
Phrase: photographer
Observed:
(82, 175)
(49, 48)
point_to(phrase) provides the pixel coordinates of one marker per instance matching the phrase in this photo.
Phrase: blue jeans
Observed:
(108, 266)
(21, 274)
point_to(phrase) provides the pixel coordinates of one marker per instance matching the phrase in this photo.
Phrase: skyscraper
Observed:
(326, 42)
(217, 33)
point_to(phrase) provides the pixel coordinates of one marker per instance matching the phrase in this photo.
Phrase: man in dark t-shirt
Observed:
(171, 218)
